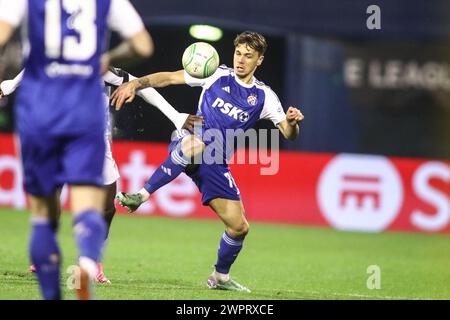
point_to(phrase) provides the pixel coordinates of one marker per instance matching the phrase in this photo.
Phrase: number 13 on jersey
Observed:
(82, 16)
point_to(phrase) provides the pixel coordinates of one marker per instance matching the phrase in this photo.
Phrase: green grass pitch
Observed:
(165, 258)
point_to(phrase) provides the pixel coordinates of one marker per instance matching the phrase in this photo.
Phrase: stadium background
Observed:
(364, 92)
(374, 149)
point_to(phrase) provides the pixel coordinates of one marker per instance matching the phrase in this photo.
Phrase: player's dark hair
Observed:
(253, 39)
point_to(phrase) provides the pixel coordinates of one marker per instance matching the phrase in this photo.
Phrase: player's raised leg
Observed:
(232, 214)
(182, 152)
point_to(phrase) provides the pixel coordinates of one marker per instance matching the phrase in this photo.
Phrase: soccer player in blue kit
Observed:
(231, 99)
(62, 140)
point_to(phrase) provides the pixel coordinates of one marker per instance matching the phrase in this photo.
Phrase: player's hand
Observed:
(192, 121)
(294, 116)
(1, 94)
(123, 94)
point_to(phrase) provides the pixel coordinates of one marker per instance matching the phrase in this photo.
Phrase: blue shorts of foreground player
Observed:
(213, 180)
(51, 161)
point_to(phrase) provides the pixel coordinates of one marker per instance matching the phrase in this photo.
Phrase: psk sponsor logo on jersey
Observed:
(252, 99)
(230, 110)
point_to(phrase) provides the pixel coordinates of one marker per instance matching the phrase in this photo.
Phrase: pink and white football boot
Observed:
(100, 277)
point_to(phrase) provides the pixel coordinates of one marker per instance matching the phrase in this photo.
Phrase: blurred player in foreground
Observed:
(113, 78)
(231, 99)
(62, 140)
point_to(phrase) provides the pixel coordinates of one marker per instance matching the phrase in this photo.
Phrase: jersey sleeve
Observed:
(123, 18)
(272, 109)
(9, 86)
(116, 76)
(206, 82)
(13, 11)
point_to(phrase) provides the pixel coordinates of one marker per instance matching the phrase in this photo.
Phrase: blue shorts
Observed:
(51, 161)
(213, 180)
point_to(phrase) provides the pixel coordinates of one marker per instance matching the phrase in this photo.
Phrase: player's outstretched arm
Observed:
(127, 91)
(289, 127)
(117, 77)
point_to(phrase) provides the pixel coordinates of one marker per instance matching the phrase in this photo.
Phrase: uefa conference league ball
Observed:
(200, 60)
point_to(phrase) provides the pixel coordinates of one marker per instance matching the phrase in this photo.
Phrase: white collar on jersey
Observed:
(242, 83)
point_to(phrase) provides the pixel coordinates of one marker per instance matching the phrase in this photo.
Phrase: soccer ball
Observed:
(200, 60)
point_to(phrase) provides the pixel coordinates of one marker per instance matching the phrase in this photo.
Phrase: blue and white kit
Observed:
(227, 103)
(62, 138)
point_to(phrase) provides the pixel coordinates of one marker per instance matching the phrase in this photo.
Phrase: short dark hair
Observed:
(253, 39)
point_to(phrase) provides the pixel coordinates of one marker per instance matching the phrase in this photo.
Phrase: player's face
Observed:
(245, 61)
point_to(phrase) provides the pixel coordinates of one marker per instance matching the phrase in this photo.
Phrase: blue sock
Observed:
(228, 250)
(46, 257)
(90, 230)
(170, 169)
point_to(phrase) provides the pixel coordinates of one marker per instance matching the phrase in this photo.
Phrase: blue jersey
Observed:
(60, 110)
(61, 91)
(228, 103)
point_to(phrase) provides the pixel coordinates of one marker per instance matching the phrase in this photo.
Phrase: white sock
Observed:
(222, 277)
(144, 194)
(89, 265)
